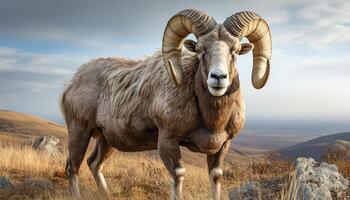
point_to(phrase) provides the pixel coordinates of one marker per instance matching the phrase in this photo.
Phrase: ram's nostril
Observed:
(221, 76)
(212, 75)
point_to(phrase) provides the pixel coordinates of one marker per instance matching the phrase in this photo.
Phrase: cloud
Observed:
(35, 72)
(92, 24)
(135, 25)
(315, 24)
(26, 82)
(324, 13)
(18, 60)
(311, 66)
(321, 99)
(37, 87)
(278, 17)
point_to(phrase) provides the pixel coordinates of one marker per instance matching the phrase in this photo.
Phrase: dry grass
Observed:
(129, 176)
(340, 159)
(137, 176)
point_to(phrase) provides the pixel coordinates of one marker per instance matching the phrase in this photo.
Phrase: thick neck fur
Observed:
(215, 111)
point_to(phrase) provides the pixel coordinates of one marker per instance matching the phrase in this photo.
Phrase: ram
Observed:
(177, 97)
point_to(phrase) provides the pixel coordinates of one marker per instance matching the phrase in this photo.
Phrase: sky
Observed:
(42, 43)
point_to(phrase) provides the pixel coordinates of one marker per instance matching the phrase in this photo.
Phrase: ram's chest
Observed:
(210, 141)
(180, 115)
(205, 141)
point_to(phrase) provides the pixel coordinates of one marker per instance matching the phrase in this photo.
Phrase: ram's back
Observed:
(79, 100)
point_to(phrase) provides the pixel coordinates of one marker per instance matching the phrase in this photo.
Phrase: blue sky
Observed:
(42, 43)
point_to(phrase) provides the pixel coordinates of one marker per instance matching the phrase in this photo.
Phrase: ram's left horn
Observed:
(251, 25)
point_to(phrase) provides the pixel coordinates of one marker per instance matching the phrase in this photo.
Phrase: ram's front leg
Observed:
(215, 163)
(170, 154)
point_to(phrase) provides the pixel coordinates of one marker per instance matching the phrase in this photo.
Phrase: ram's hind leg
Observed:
(101, 152)
(78, 141)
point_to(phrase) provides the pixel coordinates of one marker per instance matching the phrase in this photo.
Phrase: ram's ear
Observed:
(190, 45)
(245, 48)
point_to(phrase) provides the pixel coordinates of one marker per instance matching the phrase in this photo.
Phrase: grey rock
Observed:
(46, 143)
(5, 182)
(247, 191)
(264, 189)
(32, 183)
(310, 181)
(319, 181)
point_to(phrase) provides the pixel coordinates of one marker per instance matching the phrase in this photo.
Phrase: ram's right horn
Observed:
(179, 26)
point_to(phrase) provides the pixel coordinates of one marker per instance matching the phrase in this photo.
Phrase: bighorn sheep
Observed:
(135, 105)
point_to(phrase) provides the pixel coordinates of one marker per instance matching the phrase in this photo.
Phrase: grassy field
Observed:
(36, 175)
(129, 176)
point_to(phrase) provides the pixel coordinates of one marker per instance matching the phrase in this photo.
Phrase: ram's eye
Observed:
(234, 51)
(200, 48)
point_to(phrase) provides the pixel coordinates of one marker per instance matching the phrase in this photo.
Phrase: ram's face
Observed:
(217, 54)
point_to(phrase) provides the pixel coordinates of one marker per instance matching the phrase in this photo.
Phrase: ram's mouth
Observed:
(218, 88)
(217, 91)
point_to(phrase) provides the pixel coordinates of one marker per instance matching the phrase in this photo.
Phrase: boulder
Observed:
(5, 182)
(38, 184)
(310, 181)
(319, 181)
(247, 191)
(263, 189)
(46, 143)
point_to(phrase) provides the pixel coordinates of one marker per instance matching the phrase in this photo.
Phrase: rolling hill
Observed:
(16, 128)
(314, 148)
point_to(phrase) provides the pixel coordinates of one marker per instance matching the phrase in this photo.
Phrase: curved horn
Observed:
(251, 25)
(178, 27)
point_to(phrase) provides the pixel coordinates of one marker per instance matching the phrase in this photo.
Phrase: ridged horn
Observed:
(251, 25)
(179, 26)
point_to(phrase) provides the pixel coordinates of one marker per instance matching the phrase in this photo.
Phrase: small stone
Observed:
(38, 184)
(46, 143)
(5, 182)
(247, 191)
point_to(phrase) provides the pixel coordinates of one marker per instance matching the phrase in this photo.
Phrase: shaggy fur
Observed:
(135, 106)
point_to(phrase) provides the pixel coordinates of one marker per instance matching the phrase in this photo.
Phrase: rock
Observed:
(310, 181)
(5, 182)
(264, 189)
(319, 181)
(247, 191)
(37, 184)
(46, 143)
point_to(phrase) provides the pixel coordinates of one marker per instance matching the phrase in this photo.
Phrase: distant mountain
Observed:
(315, 148)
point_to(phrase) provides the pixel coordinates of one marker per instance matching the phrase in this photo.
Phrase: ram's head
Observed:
(217, 47)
